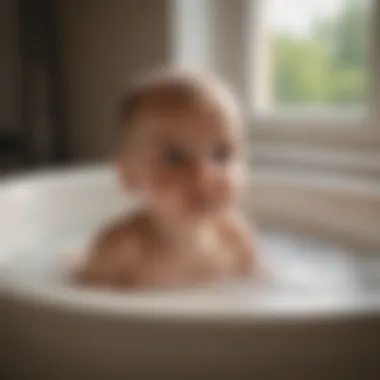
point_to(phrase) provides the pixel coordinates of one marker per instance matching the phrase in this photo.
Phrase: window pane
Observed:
(319, 53)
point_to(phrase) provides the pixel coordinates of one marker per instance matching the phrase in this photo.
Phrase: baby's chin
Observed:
(187, 212)
(199, 213)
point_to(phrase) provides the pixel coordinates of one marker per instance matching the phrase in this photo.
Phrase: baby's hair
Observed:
(181, 86)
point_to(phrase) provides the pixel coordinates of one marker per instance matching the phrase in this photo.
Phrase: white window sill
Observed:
(340, 183)
(330, 160)
(338, 134)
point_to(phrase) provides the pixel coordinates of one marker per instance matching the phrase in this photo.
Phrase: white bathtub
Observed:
(320, 319)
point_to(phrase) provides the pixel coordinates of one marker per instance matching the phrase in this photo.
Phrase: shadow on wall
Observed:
(100, 45)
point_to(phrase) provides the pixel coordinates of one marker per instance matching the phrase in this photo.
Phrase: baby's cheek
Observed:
(166, 200)
(166, 193)
(238, 177)
(227, 191)
(230, 185)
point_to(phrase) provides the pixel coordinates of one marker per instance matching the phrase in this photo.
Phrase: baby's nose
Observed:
(202, 177)
(200, 188)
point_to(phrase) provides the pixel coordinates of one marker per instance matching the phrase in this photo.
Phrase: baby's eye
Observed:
(222, 154)
(175, 156)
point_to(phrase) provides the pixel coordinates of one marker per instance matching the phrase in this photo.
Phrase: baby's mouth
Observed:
(201, 204)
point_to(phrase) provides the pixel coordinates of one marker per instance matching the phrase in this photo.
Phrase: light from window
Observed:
(318, 53)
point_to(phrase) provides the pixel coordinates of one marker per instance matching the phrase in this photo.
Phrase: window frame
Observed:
(244, 20)
(235, 40)
(346, 125)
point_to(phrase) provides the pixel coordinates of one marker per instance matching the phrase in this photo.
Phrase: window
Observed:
(313, 81)
(308, 75)
(317, 55)
(320, 53)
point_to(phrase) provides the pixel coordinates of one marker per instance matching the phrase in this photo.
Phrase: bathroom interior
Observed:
(307, 73)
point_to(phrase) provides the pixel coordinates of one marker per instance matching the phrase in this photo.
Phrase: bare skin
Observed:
(133, 253)
(183, 157)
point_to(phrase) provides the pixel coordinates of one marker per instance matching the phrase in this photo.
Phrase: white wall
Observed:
(192, 37)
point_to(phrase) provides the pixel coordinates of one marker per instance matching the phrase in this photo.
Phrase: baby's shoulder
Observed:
(238, 232)
(240, 236)
(115, 252)
(234, 226)
(130, 230)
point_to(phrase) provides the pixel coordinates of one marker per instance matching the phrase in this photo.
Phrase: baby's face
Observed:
(186, 164)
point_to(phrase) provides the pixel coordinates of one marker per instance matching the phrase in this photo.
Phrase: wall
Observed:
(9, 66)
(103, 44)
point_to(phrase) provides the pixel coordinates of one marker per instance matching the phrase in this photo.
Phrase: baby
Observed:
(181, 153)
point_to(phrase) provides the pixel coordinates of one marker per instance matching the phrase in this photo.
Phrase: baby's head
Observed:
(181, 148)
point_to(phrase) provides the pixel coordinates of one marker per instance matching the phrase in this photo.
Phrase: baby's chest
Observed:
(190, 263)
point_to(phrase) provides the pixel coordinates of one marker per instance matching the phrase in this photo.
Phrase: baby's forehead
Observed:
(179, 96)
(190, 124)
